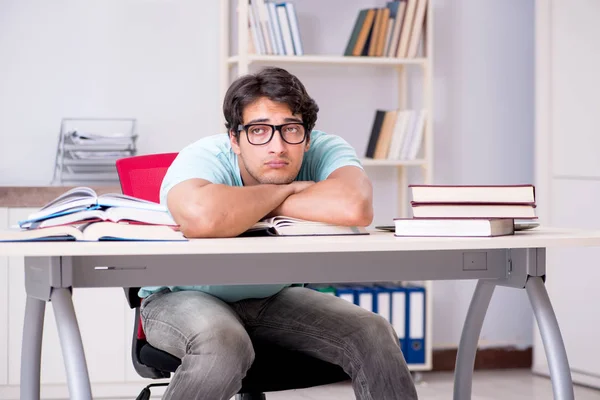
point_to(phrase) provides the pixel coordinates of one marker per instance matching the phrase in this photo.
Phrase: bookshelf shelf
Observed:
(329, 59)
(370, 162)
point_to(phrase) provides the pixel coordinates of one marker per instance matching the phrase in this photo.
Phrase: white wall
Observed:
(158, 61)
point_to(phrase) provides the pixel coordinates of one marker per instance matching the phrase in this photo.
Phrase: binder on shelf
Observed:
(415, 329)
(363, 297)
(398, 312)
(345, 293)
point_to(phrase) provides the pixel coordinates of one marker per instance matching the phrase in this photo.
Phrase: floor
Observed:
(487, 385)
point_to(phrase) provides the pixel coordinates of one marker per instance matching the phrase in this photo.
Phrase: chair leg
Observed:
(250, 396)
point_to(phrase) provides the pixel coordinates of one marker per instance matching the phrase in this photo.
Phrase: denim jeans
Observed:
(213, 340)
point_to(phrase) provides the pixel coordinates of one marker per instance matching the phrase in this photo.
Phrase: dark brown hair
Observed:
(277, 85)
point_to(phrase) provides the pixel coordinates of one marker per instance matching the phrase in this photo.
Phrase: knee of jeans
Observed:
(375, 332)
(228, 342)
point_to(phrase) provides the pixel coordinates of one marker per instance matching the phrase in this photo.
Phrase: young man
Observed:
(270, 163)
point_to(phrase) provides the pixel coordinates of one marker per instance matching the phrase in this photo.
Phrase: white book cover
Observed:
(398, 134)
(410, 126)
(256, 33)
(417, 138)
(277, 27)
(293, 20)
(288, 43)
(265, 15)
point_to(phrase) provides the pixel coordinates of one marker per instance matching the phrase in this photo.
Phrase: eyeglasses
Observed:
(258, 134)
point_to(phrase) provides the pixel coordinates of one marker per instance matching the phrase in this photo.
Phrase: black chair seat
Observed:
(274, 368)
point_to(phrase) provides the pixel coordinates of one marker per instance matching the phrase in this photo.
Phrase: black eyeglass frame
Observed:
(273, 129)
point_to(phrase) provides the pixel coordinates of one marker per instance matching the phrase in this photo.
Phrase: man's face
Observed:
(275, 162)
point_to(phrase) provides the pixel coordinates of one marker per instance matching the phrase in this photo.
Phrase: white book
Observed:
(256, 32)
(268, 26)
(417, 136)
(407, 135)
(398, 135)
(288, 42)
(274, 18)
(294, 29)
(453, 227)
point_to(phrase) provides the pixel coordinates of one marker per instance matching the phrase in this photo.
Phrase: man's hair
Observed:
(277, 85)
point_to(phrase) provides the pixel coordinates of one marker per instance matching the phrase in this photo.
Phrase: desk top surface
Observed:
(376, 241)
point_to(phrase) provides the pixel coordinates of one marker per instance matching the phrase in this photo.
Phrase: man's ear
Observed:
(307, 146)
(235, 144)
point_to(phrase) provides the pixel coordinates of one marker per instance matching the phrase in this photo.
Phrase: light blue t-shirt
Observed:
(212, 158)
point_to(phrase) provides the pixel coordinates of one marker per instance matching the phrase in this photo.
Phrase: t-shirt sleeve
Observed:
(328, 153)
(194, 162)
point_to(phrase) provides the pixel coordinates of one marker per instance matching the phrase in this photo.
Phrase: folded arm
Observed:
(204, 209)
(344, 198)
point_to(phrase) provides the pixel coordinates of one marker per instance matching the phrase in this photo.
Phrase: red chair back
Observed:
(141, 176)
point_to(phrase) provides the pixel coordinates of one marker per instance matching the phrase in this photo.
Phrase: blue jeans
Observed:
(213, 340)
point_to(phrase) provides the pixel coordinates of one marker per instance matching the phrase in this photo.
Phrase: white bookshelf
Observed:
(239, 61)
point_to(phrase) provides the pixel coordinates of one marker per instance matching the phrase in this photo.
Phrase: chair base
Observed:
(145, 394)
(251, 396)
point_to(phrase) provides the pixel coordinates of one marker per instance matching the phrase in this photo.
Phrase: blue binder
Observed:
(415, 324)
(398, 312)
(363, 297)
(345, 293)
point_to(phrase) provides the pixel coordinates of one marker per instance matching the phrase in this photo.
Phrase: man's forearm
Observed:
(331, 201)
(226, 211)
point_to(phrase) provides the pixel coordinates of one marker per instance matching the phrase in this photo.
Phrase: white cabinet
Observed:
(568, 173)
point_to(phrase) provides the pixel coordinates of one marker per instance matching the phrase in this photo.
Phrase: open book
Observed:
(85, 198)
(96, 231)
(113, 214)
(287, 226)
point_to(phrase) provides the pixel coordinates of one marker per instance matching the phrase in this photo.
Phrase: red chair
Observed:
(274, 368)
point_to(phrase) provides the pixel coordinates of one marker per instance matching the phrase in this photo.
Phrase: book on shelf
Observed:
(84, 198)
(274, 29)
(396, 134)
(94, 231)
(453, 227)
(395, 30)
(287, 226)
(509, 194)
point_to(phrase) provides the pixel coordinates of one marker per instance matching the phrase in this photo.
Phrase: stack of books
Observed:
(442, 210)
(80, 214)
(273, 29)
(395, 30)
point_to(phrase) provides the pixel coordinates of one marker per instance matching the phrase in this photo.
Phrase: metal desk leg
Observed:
(31, 349)
(560, 373)
(467, 348)
(72, 348)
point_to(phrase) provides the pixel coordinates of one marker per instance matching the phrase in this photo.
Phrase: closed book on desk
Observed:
(287, 226)
(472, 210)
(503, 194)
(453, 227)
(96, 231)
